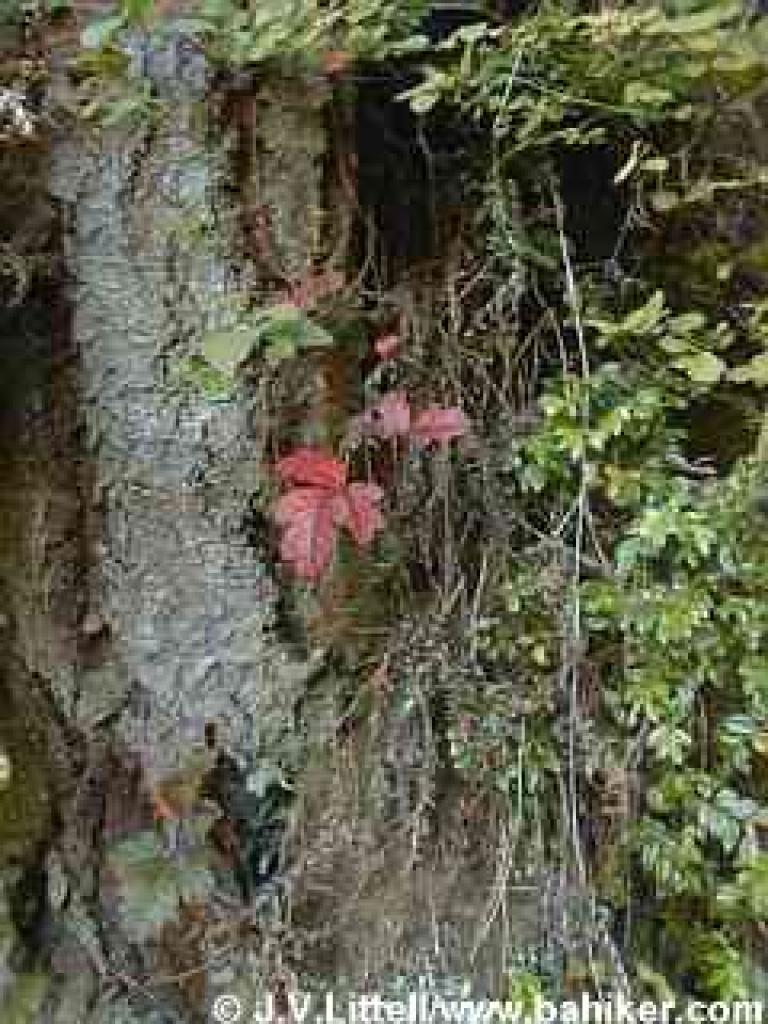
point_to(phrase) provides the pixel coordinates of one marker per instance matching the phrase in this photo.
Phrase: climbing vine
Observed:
(561, 618)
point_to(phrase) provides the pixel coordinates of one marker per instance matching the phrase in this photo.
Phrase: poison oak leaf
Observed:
(309, 515)
(386, 346)
(308, 518)
(310, 467)
(362, 515)
(439, 426)
(390, 417)
(308, 291)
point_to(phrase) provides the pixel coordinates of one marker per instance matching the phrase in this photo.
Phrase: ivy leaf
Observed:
(639, 321)
(310, 517)
(148, 885)
(283, 330)
(136, 11)
(749, 893)
(279, 350)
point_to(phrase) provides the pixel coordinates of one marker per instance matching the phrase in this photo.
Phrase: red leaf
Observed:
(380, 680)
(317, 285)
(307, 516)
(390, 417)
(362, 515)
(310, 515)
(335, 61)
(161, 809)
(308, 466)
(386, 346)
(436, 425)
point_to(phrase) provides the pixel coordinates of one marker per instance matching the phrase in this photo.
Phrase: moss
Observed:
(756, 255)
(25, 809)
(26, 998)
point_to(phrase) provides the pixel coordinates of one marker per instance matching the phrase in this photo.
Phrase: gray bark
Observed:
(133, 610)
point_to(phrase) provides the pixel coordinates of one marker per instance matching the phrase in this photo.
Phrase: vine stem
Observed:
(573, 638)
(575, 631)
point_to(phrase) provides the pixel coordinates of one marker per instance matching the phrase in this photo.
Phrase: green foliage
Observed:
(25, 1000)
(103, 32)
(720, 966)
(747, 895)
(683, 599)
(280, 332)
(580, 78)
(295, 34)
(634, 564)
(524, 989)
(274, 334)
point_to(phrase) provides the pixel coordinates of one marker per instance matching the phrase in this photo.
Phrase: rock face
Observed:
(132, 605)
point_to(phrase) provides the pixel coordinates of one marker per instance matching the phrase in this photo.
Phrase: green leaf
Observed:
(701, 367)
(100, 33)
(285, 329)
(226, 350)
(742, 726)
(753, 372)
(280, 349)
(688, 323)
(315, 336)
(124, 109)
(136, 11)
(212, 383)
(646, 317)
(422, 98)
(663, 200)
(702, 21)
(643, 94)
(192, 26)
